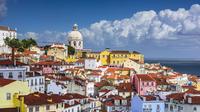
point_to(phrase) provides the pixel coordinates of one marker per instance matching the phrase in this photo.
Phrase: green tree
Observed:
(27, 43)
(71, 50)
(20, 45)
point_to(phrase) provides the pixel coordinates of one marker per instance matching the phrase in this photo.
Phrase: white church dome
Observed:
(75, 34)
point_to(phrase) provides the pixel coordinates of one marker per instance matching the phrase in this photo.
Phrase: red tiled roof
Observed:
(145, 77)
(180, 96)
(29, 52)
(194, 100)
(8, 110)
(4, 82)
(150, 97)
(49, 62)
(41, 99)
(5, 28)
(9, 62)
(75, 96)
(124, 87)
(109, 103)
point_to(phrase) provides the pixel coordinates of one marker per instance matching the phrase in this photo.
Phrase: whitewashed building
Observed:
(15, 73)
(188, 101)
(91, 63)
(36, 81)
(90, 89)
(56, 87)
(136, 65)
(6, 32)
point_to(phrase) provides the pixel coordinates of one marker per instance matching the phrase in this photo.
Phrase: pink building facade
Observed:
(145, 84)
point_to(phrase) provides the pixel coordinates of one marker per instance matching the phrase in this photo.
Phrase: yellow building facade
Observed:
(59, 53)
(115, 58)
(39, 102)
(10, 91)
(105, 57)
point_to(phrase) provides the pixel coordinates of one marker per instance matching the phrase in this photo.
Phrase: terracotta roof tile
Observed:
(41, 99)
(9, 62)
(145, 77)
(4, 82)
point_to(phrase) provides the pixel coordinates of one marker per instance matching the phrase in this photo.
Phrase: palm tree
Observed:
(20, 45)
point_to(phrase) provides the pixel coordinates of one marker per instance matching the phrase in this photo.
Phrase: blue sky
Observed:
(156, 28)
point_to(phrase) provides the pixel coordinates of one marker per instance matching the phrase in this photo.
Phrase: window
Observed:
(158, 108)
(35, 81)
(166, 106)
(195, 109)
(20, 75)
(171, 108)
(57, 106)
(31, 82)
(79, 43)
(10, 75)
(37, 109)
(1, 75)
(8, 96)
(74, 43)
(47, 107)
(147, 83)
(30, 109)
(152, 84)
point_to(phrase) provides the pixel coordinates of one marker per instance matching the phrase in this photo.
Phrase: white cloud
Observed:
(45, 37)
(147, 25)
(3, 8)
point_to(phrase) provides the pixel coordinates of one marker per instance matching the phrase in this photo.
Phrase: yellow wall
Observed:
(198, 86)
(104, 57)
(13, 88)
(93, 55)
(109, 58)
(118, 58)
(42, 108)
(60, 54)
(137, 56)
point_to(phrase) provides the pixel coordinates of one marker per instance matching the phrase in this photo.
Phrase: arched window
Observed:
(79, 43)
(74, 43)
(69, 42)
